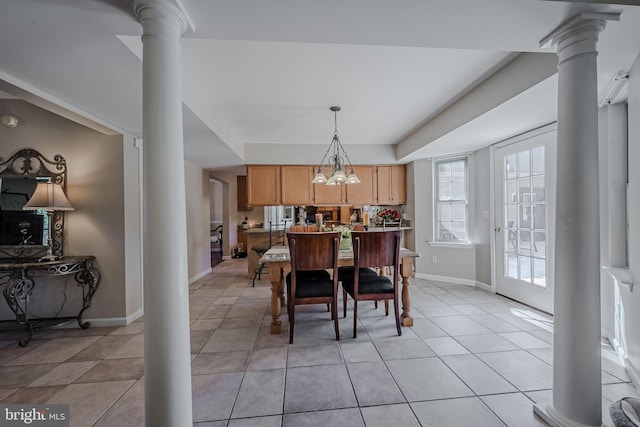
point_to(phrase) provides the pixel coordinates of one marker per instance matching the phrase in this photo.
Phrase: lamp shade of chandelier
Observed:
(336, 161)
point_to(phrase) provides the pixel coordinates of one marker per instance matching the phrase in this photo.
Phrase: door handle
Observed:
(497, 229)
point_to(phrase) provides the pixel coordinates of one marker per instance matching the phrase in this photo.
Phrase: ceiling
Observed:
(414, 78)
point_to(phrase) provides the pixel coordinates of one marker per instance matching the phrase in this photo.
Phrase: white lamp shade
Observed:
(48, 196)
(319, 178)
(339, 176)
(352, 178)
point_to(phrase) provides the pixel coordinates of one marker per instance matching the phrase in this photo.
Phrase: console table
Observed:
(19, 279)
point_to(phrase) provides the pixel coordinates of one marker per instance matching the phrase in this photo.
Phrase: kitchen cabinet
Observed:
(296, 186)
(392, 187)
(273, 185)
(263, 185)
(329, 194)
(242, 202)
(364, 193)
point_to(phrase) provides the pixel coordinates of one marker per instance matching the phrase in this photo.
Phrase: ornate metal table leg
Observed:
(23, 342)
(88, 278)
(17, 293)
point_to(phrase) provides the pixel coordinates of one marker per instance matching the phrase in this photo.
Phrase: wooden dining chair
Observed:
(309, 282)
(373, 249)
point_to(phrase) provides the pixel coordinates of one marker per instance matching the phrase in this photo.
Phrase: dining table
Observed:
(278, 261)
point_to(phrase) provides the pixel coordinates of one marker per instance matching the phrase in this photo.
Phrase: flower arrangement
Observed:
(388, 215)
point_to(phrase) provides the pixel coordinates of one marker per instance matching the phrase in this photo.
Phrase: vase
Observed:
(345, 244)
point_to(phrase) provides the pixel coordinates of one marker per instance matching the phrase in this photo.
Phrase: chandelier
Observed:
(336, 161)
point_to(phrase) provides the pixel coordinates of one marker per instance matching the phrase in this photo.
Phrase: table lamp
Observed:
(51, 198)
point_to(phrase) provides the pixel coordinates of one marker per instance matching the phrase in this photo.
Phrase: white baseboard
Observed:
(105, 322)
(454, 280)
(629, 368)
(200, 275)
(633, 373)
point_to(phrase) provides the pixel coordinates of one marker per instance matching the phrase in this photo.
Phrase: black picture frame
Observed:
(21, 228)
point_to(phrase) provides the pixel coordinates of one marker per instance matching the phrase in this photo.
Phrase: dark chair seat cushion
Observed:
(370, 285)
(625, 412)
(346, 273)
(312, 284)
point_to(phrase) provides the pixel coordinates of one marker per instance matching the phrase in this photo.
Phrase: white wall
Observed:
(619, 154)
(198, 221)
(630, 301)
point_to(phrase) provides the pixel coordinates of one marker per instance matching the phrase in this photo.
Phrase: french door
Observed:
(524, 193)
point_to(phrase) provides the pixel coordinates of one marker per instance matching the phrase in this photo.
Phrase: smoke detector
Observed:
(9, 121)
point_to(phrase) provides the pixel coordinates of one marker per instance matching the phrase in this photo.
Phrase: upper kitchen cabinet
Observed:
(329, 194)
(263, 185)
(296, 188)
(242, 204)
(365, 192)
(392, 187)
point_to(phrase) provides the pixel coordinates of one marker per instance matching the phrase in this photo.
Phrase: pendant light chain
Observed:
(338, 175)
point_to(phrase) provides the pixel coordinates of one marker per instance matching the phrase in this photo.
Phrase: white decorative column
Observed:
(167, 361)
(577, 389)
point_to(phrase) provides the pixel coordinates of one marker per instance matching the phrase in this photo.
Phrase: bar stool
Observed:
(274, 240)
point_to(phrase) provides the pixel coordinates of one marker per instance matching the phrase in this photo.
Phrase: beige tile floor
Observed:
(471, 359)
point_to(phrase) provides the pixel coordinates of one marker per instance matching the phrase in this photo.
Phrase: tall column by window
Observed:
(577, 389)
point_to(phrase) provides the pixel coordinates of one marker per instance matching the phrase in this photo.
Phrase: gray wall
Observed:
(482, 232)
(198, 221)
(95, 187)
(455, 263)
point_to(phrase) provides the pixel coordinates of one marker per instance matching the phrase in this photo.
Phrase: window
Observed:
(451, 216)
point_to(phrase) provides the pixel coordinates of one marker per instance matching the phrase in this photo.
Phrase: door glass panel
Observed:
(512, 266)
(510, 194)
(540, 247)
(537, 190)
(524, 190)
(512, 216)
(511, 170)
(524, 263)
(525, 216)
(524, 242)
(524, 166)
(537, 161)
(539, 272)
(511, 241)
(538, 216)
